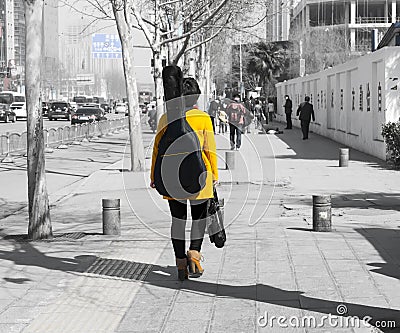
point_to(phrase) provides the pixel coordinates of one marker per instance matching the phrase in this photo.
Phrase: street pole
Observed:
(240, 69)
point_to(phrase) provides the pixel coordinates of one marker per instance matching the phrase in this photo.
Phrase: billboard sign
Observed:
(106, 46)
(84, 80)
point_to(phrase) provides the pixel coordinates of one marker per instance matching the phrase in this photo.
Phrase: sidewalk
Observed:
(272, 265)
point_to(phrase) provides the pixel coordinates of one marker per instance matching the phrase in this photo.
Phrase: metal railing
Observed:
(371, 20)
(16, 143)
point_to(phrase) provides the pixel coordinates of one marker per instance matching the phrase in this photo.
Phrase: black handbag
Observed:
(215, 221)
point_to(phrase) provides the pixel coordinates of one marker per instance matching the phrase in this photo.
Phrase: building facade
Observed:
(355, 18)
(351, 100)
(278, 20)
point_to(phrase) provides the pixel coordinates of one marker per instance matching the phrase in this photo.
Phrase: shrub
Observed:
(391, 134)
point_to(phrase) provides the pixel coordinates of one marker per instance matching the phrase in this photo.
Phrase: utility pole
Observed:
(240, 69)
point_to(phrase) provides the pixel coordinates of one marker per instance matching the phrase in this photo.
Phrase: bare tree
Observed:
(174, 29)
(124, 25)
(119, 11)
(39, 211)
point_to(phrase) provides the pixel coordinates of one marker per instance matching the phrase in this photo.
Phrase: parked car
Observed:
(19, 108)
(59, 110)
(6, 114)
(45, 109)
(87, 115)
(121, 108)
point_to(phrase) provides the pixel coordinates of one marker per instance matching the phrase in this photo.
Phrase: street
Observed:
(20, 125)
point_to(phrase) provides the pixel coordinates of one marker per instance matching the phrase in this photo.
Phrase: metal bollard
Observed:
(111, 217)
(230, 160)
(322, 217)
(344, 157)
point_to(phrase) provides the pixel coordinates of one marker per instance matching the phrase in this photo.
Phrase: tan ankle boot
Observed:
(194, 258)
(182, 265)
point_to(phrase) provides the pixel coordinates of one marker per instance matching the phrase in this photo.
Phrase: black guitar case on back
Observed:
(179, 170)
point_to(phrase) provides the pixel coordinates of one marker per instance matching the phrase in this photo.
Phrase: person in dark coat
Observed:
(288, 112)
(306, 112)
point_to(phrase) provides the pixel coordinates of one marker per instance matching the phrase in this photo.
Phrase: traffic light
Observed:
(8, 71)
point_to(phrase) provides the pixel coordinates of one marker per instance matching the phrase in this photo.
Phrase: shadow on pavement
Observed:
(387, 244)
(26, 254)
(366, 200)
(166, 277)
(321, 148)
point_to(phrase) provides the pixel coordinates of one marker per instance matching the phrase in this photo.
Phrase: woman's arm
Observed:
(210, 148)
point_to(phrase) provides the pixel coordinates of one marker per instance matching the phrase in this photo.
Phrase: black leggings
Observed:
(179, 216)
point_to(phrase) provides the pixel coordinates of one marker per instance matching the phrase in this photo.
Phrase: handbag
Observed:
(215, 221)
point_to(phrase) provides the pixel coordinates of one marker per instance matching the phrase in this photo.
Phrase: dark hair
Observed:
(287, 96)
(191, 91)
(307, 99)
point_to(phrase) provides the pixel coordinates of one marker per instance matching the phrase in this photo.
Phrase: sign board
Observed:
(106, 46)
(84, 79)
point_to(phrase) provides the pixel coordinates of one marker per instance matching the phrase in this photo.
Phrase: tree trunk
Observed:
(135, 130)
(39, 211)
(158, 84)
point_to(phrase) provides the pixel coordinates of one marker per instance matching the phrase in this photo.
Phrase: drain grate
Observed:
(120, 268)
(70, 235)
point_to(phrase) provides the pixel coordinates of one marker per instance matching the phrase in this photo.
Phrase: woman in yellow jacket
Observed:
(201, 124)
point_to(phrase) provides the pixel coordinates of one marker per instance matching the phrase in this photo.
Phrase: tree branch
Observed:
(204, 23)
(181, 51)
(204, 41)
(147, 33)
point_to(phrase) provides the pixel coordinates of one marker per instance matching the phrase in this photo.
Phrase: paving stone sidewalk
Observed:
(271, 266)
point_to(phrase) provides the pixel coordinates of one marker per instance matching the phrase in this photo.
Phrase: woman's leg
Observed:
(199, 214)
(179, 215)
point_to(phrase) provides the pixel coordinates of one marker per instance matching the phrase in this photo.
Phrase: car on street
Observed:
(87, 115)
(6, 114)
(121, 108)
(19, 108)
(60, 110)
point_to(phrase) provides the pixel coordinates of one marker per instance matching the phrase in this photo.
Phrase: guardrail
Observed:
(11, 143)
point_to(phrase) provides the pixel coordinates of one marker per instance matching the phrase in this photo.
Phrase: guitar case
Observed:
(179, 171)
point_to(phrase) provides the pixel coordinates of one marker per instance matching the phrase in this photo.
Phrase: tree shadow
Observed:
(322, 148)
(25, 254)
(366, 200)
(387, 244)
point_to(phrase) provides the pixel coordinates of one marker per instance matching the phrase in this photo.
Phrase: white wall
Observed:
(346, 99)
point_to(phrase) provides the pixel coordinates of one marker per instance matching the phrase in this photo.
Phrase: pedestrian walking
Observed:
(223, 121)
(200, 126)
(249, 116)
(288, 111)
(236, 113)
(305, 112)
(212, 111)
(271, 110)
(258, 113)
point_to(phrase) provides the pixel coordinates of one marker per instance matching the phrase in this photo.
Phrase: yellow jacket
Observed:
(201, 124)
